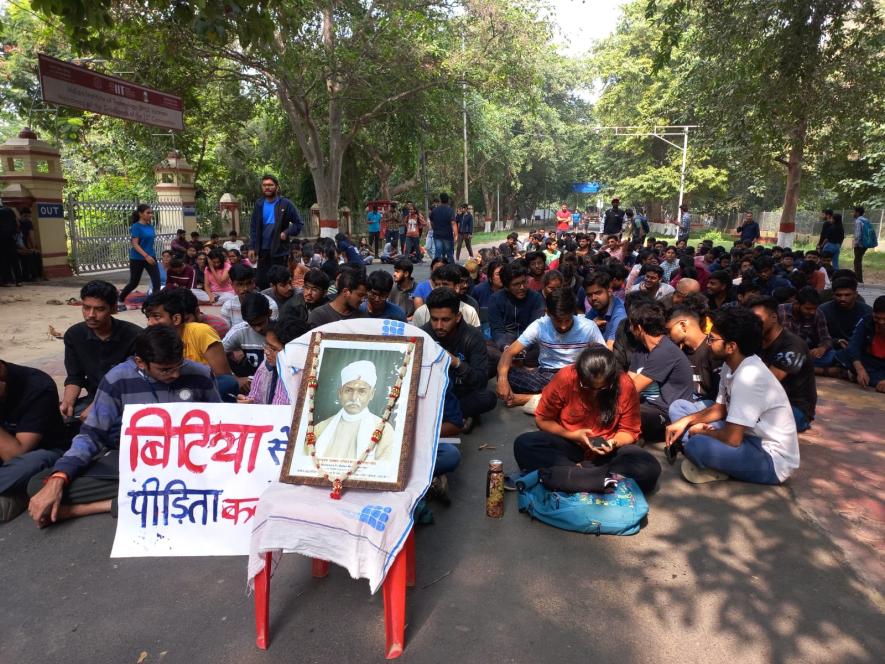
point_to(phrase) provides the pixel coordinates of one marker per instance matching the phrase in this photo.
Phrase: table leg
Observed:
(262, 603)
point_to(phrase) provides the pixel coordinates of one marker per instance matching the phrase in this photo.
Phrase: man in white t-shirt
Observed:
(749, 433)
(560, 336)
(233, 242)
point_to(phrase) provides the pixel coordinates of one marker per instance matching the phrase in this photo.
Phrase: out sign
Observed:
(50, 211)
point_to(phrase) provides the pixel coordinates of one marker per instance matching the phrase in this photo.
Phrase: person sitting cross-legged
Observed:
(244, 343)
(94, 346)
(243, 279)
(660, 371)
(512, 309)
(866, 351)
(312, 296)
(805, 319)
(750, 432)
(32, 434)
(351, 290)
(266, 387)
(379, 284)
(465, 344)
(606, 310)
(585, 402)
(85, 480)
(560, 335)
(788, 357)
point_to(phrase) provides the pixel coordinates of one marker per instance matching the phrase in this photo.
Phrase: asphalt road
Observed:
(720, 573)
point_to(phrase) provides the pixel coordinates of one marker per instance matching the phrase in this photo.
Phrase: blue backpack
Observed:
(868, 237)
(616, 513)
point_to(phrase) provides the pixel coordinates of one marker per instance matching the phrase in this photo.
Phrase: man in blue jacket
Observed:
(275, 221)
(512, 309)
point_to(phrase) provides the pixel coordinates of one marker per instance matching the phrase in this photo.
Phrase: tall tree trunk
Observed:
(489, 201)
(787, 229)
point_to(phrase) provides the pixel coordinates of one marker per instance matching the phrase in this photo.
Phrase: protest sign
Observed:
(191, 475)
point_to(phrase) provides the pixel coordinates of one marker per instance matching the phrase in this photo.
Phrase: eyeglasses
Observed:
(375, 295)
(711, 339)
(270, 349)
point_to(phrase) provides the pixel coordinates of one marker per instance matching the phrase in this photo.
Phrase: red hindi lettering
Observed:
(194, 423)
(232, 508)
(154, 452)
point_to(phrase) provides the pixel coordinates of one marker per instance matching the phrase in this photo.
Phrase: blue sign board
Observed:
(586, 187)
(50, 211)
(189, 211)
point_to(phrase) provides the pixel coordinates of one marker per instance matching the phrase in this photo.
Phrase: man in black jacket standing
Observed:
(613, 221)
(466, 346)
(274, 222)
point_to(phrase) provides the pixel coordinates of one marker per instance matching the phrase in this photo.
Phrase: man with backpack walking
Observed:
(864, 238)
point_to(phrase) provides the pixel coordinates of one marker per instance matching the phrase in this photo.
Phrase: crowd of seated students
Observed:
(712, 352)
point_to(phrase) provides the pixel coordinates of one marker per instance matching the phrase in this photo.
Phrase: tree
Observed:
(335, 66)
(779, 78)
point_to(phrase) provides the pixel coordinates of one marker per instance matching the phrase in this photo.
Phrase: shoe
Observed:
(469, 423)
(439, 490)
(510, 480)
(11, 505)
(529, 406)
(697, 475)
(672, 450)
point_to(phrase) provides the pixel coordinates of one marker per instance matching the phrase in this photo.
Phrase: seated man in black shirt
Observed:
(31, 432)
(94, 346)
(660, 372)
(842, 314)
(466, 347)
(787, 356)
(312, 296)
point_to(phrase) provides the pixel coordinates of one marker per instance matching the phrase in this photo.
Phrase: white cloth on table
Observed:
(364, 530)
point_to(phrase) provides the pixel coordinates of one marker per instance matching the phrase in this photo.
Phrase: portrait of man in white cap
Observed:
(347, 433)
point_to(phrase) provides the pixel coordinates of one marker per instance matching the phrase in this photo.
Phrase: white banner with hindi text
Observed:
(191, 475)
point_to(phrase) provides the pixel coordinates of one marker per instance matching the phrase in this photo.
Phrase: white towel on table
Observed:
(364, 530)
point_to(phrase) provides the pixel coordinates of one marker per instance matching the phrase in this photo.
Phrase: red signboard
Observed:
(79, 87)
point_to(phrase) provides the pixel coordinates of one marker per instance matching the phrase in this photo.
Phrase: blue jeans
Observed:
(413, 246)
(15, 473)
(826, 360)
(448, 457)
(228, 388)
(444, 248)
(682, 407)
(802, 422)
(747, 462)
(835, 248)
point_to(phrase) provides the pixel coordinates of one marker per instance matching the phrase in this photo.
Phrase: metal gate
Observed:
(99, 232)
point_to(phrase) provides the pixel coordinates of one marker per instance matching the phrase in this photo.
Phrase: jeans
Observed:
(835, 248)
(373, 241)
(827, 359)
(448, 457)
(747, 462)
(444, 248)
(136, 269)
(413, 246)
(539, 449)
(228, 388)
(465, 239)
(682, 407)
(858, 262)
(15, 473)
(802, 421)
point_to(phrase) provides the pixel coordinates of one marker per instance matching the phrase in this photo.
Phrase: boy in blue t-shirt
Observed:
(373, 219)
(561, 336)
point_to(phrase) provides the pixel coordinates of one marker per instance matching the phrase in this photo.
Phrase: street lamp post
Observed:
(660, 132)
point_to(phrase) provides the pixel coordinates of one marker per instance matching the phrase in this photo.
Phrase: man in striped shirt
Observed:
(560, 336)
(85, 480)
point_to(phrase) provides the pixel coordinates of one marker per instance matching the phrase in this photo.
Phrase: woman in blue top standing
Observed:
(141, 253)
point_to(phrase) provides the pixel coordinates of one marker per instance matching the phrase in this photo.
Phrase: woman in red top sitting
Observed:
(591, 399)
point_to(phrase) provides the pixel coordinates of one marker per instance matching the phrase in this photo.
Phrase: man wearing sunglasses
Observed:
(82, 482)
(749, 433)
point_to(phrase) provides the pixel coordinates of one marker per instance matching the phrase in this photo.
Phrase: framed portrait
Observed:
(354, 420)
